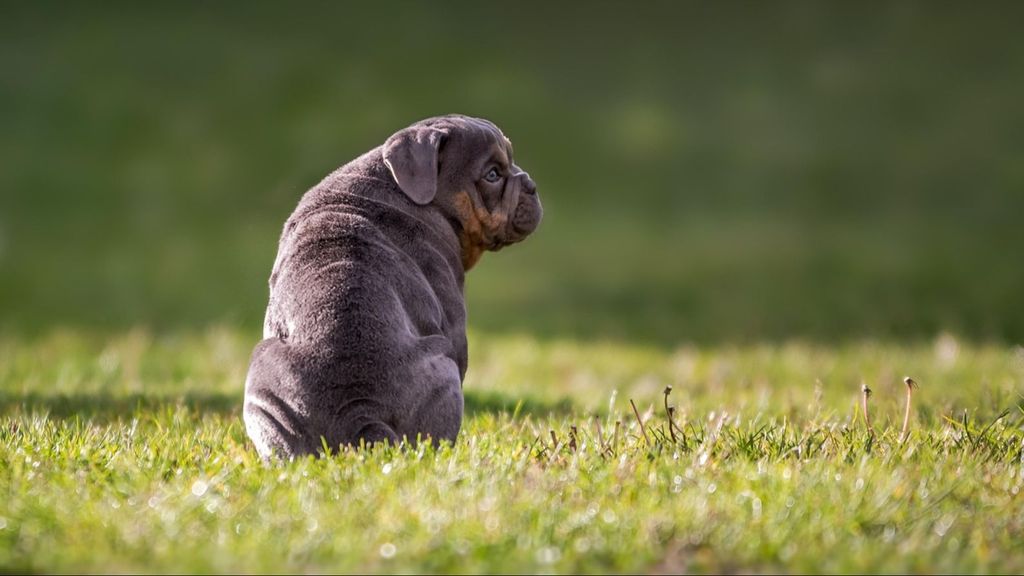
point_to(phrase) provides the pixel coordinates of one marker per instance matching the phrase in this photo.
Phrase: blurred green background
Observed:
(719, 172)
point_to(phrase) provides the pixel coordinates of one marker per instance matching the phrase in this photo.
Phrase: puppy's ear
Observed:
(411, 156)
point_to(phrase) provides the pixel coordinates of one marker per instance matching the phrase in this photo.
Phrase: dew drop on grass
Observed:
(548, 555)
(582, 545)
(889, 533)
(387, 468)
(199, 488)
(387, 550)
(943, 525)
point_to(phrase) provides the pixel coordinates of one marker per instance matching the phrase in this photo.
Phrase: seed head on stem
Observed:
(670, 413)
(865, 394)
(911, 385)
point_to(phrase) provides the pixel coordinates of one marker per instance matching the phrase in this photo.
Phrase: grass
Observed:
(127, 453)
(809, 195)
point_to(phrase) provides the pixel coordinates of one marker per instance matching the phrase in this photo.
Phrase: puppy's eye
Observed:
(493, 175)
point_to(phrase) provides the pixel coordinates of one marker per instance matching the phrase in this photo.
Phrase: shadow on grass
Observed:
(105, 406)
(496, 403)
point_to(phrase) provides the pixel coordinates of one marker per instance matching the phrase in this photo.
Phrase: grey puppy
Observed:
(365, 332)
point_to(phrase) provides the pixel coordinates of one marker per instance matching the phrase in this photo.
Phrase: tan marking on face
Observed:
(480, 228)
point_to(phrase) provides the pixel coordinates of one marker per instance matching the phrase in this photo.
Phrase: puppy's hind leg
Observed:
(364, 430)
(271, 421)
(376, 433)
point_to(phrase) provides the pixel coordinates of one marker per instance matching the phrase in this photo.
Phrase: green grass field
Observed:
(127, 453)
(761, 205)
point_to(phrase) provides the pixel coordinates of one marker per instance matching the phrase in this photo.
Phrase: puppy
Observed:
(365, 332)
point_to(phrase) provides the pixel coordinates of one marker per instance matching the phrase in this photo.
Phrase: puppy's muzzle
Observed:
(527, 213)
(528, 186)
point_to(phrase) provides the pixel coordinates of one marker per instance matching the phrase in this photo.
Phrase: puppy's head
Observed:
(464, 166)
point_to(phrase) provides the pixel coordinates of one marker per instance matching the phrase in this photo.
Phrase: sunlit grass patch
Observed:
(128, 453)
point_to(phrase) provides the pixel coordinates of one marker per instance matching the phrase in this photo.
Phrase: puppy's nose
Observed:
(529, 186)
